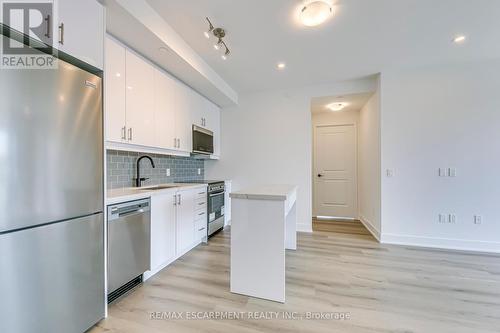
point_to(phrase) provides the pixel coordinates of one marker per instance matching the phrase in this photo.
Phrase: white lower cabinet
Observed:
(185, 220)
(178, 223)
(163, 218)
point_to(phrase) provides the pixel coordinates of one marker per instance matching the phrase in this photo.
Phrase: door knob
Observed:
(320, 175)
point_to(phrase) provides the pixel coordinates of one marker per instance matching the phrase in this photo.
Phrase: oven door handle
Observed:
(215, 194)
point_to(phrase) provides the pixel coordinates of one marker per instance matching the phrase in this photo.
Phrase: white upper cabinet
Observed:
(140, 101)
(165, 110)
(184, 127)
(149, 109)
(114, 86)
(79, 30)
(75, 27)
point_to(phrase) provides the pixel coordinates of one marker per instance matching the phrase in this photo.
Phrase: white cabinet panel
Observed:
(213, 124)
(140, 101)
(183, 120)
(80, 30)
(114, 85)
(165, 111)
(185, 220)
(198, 107)
(163, 225)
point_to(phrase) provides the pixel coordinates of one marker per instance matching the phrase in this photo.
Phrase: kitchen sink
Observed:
(158, 187)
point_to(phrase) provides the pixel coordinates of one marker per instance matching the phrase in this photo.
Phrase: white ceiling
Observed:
(365, 37)
(355, 102)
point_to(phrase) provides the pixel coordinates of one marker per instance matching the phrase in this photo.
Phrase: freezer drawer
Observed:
(129, 242)
(52, 277)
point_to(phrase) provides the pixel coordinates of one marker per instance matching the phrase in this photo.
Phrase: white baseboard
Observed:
(304, 227)
(371, 228)
(442, 243)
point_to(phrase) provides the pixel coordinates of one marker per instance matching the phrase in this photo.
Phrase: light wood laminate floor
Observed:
(383, 288)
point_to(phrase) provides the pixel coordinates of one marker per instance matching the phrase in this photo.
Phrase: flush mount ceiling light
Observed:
(459, 39)
(281, 65)
(218, 33)
(337, 106)
(316, 12)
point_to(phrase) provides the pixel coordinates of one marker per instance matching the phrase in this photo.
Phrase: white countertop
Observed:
(133, 193)
(266, 192)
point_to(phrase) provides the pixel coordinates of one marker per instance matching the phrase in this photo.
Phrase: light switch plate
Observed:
(452, 172)
(442, 218)
(452, 218)
(478, 219)
(442, 172)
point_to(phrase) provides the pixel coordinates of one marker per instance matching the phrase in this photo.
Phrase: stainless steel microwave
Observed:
(203, 141)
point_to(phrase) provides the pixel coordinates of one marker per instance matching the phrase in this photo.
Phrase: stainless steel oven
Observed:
(216, 192)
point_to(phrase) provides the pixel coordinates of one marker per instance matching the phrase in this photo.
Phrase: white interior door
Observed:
(335, 186)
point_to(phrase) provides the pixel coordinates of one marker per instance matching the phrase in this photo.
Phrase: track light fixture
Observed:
(218, 33)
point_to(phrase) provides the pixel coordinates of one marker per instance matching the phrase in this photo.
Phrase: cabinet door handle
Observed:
(201, 229)
(47, 34)
(124, 133)
(130, 134)
(178, 143)
(175, 199)
(200, 214)
(179, 199)
(61, 34)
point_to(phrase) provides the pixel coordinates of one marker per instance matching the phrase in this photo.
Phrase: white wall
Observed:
(369, 191)
(267, 138)
(341, 117)
(443, 116)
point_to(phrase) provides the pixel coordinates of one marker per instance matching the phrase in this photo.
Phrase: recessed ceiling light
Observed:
(337, 106)
(459, 39)
(281, 65)
(316, 12)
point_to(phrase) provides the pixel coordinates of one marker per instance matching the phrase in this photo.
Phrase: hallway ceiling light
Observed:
(337, 106)
(281, 65)
(316, 12)
(219, 33)
(459, 39)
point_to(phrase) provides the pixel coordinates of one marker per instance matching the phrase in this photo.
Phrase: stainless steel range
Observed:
(215, 204)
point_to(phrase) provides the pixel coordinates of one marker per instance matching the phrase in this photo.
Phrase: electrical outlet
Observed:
(199, 171)
(390, 173)
(452, 172)
(478, 219)
(168, 172)
(452, 218)
(442, 172)
(442, 218)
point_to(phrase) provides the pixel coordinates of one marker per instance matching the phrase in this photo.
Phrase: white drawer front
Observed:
(201, 194)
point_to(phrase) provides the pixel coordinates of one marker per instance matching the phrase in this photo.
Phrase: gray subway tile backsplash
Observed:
(121, 169)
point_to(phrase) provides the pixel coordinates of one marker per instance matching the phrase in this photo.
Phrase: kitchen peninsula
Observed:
(263, 225)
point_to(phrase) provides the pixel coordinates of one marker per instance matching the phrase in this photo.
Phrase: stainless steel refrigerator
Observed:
(51, 200)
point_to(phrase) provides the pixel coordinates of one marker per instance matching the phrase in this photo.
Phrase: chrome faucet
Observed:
(138, 179)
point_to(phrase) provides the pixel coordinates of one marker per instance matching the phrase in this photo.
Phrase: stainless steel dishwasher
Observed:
(129, 250)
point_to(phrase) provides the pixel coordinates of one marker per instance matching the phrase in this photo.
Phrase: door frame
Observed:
(313, 175)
